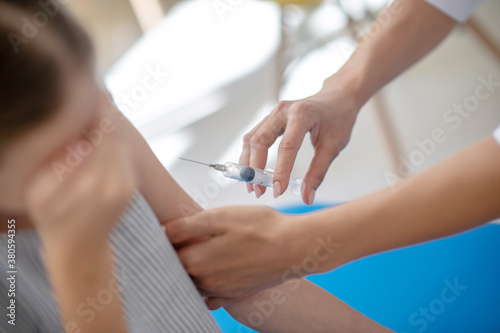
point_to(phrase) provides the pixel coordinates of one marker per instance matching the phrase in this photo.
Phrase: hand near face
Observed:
(74, 216)
(78, 211)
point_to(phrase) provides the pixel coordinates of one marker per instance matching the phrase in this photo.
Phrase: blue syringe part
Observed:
(253, 175)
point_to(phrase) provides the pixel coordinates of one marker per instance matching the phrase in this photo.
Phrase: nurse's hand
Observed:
(249, 248)
(329, 116)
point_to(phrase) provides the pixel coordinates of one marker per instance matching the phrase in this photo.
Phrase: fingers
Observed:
(323, 157)
(260, 142)
(46, 185)
(245, 154)
(192, 227)
(258, 159)
(41, 189)
(287, 152)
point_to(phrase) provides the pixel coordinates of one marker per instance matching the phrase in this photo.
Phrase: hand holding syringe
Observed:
(250, 175)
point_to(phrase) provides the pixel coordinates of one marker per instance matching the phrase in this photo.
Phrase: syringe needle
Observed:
(218, 167)
(186, 159)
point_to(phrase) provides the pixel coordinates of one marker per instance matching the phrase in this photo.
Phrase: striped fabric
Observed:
(157, 293)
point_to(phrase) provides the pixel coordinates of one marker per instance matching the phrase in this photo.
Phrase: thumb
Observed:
(190, 228)
(323, 157)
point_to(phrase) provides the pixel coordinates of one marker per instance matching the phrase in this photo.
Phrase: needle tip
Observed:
(192, 161)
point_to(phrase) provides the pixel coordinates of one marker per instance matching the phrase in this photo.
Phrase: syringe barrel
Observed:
(248, 174)
(257, 176)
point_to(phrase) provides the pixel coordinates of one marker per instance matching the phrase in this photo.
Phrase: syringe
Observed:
(250, 175)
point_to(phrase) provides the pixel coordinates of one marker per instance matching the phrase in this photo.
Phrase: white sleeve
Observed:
(496, 134)
(459, 10)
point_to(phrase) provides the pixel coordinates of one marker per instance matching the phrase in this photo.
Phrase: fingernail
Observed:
(258, 191)
(311, 197)
(276, 189)
(249, 188)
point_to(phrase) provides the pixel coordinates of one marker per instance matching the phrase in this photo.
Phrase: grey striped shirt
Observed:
(157, 294)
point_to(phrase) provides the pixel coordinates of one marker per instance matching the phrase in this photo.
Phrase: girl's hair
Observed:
(31, 78)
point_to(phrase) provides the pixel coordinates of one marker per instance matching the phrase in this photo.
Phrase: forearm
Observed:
(300, 306)
(402, 35)
(77, 288)
(458, 194)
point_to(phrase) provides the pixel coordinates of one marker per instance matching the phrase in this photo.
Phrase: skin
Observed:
(402, 35)
(325, 313)
(74, 216)
(456, 195)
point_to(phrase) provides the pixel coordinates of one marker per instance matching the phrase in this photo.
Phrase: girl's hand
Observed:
(74, 217)
(77, 212)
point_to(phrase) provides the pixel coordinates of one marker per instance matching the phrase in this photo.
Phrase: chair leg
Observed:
(388, 130)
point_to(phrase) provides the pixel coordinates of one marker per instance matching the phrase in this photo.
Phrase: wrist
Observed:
(78, 270)
(65, 252)
(351, 84)
(307, 250)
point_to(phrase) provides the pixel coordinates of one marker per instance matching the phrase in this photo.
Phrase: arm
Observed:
(75, 284)
(457, 194)
(74, 219)
(167, 199)
(300, 306)
(401, 36)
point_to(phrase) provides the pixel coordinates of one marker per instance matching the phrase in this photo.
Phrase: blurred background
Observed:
(220, 66)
